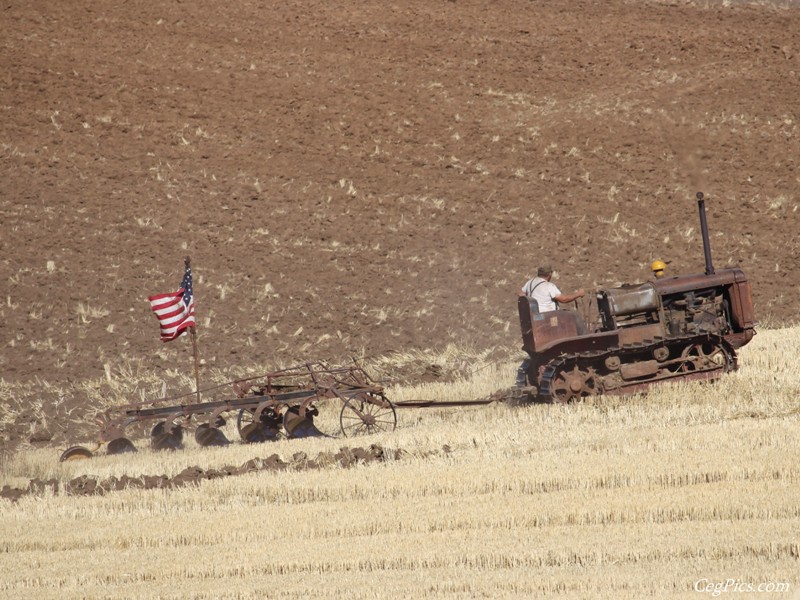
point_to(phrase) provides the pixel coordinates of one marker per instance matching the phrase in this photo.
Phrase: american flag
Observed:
(175, 311)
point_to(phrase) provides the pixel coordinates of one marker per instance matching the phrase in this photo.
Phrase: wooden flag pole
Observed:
(196, 369)
(193, 333)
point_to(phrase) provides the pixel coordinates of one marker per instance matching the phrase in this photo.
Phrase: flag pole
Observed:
(193, 333)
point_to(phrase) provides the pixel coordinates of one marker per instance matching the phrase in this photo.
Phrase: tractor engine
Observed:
(697, 312)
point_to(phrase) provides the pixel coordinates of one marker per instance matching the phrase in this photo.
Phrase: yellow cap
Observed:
(658, 265)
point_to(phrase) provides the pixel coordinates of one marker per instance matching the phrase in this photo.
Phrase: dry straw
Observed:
(624, 497)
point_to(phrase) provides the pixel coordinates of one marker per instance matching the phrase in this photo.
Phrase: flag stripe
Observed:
(175, 311)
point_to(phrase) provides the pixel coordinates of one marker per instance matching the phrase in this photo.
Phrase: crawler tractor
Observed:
(674, 328)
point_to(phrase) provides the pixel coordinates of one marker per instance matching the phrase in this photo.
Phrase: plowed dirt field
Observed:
(372, 177)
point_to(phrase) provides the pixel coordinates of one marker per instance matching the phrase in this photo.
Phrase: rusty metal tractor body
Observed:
(676, 328)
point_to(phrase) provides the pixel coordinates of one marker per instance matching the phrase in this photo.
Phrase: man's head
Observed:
(545, 272)
(658, 267)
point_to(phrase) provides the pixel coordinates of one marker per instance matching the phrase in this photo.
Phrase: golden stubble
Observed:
(620, 497)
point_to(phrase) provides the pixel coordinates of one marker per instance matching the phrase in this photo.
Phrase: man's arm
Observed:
(567, 298)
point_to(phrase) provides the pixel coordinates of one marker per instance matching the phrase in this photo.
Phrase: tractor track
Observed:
(630, 353)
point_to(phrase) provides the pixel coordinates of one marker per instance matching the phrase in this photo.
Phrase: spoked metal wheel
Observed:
(244, 419)
(569, 385)
(367, 413)
(705, 356)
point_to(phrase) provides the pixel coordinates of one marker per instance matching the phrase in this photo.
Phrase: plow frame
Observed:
(291, 394)
(286, 398)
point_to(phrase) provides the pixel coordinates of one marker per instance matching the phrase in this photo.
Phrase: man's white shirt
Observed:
(543, 292)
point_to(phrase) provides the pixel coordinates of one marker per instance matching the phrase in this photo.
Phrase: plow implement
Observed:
(279, 404)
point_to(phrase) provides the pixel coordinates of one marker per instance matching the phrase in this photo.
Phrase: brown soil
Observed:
(370, 177)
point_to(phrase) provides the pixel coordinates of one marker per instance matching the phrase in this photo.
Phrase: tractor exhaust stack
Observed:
(701, 204)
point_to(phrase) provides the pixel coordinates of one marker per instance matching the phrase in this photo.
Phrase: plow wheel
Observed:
(120, 445)
(573, 384)
(252, 432)
(705, 356)
(297, 426)
(367, 414)
(206, 436)
(75, 453)
(166, 437)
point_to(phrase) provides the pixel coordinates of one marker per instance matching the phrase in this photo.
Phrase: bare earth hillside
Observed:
(370, 177)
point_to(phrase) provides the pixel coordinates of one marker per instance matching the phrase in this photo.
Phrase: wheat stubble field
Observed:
(628, 497)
